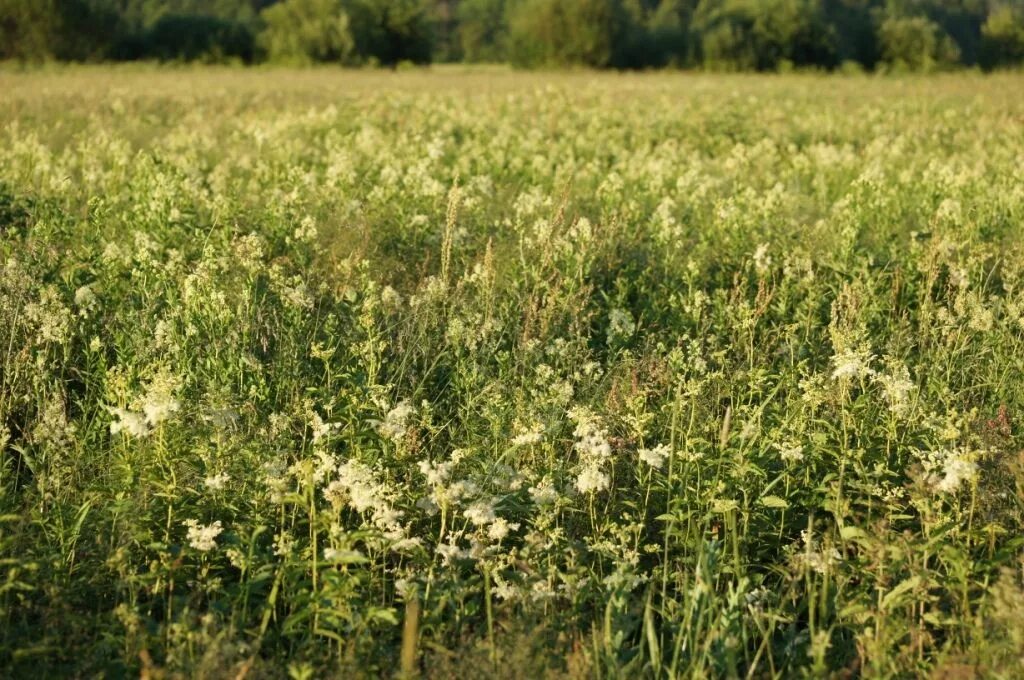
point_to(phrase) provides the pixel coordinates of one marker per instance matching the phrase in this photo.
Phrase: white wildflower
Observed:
(450, 552)
(948, 469)
(159, 403)
(852, 364)
(437, 474)
(655, 457)
(319, 428)
(283, 544)
(306, 231)
(335, 494)
(530, 436)
(131, 423)
(216, 482)
(358, 480)
(501, 528)
(407, 544)
(591, 480)
(762, 260)
(343, 556)
(480, 513)
(544, 493)
(85, 299)
(504, 590)
(202, 537)
(790, 452)
(956, 470)
(395, 423)
(897, 388)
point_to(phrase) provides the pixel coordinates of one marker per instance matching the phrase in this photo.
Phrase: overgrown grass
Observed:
(326, 374)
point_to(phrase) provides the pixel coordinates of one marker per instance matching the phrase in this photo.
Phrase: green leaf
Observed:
(895, 597)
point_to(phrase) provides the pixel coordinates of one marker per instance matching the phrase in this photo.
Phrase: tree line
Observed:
(731, 35)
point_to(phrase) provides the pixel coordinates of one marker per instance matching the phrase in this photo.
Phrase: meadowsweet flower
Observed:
(216, 482)
(437, 474)
(946, 470)
(955, 471)
(544, 493)
(655, 457)
(504, 590)
(358, 480)
(949, 211)
(980, 318)
(396, 422)
(159, 403)
(480, 512)
(306, 231)
(594, 450)
(85, 299)
(449, 552)
(406, 544)
(500, 528)
(202, 537)
(528, 437)
(390, 298)
(335, 494)
(405, 588)
(53, 428)
(852, 364)
(50, 317)
(790, 452)
(591, 439)
(762, 260)
(541, 591)
(896, 387)
(284, 543)
(319, 428)
(129, 422)
(812, 555)
(591, 480)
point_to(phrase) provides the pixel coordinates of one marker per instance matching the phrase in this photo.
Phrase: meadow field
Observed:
(484, 374)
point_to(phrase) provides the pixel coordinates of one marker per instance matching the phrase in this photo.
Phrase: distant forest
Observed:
(732, 35)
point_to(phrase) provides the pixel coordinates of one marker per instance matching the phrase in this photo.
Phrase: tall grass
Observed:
(337, 375)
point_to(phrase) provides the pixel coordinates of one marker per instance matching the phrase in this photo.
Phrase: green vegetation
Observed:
(340, 374)
(731, 35)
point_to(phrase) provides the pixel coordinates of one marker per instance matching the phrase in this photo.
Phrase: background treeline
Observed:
(713, 34)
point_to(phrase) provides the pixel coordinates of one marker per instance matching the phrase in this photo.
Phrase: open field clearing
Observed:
(490, 374)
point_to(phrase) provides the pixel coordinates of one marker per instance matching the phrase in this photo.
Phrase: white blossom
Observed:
(656, 456)
(202, 537)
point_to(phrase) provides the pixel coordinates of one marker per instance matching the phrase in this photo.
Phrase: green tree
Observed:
(854, 29)
(653, 33)
(36, 30)
(391, 31)
(915, 43)
(28, 29)
(763, 34)
(1002, 38)
(565, 32)
(482, 32)
(306, 31)
(191, 37)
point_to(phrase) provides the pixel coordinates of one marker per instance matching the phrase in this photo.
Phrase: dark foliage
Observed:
(717, 34)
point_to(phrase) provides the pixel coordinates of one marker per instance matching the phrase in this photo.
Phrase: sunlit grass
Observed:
(328, 374)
